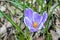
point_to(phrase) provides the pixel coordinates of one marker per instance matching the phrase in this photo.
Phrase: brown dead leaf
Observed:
(40, 38)
(2, 0)
(58, 22)
(54, 35)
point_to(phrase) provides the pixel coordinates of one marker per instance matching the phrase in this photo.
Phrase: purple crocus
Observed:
(33, 20)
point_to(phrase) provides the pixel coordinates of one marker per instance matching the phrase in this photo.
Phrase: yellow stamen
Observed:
(35, 24)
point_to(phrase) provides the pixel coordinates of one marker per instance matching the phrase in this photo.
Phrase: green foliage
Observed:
(1, 15)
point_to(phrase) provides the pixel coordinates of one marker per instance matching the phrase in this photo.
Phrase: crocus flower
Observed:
(33, 20)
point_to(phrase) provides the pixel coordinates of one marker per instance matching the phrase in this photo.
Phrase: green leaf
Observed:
(58, 2)
(48, 37)
(27, 33)
(1, 15)
(53, 8)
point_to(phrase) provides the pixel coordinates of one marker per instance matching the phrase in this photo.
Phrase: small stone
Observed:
(0, 24)
(8, 24)
(2, 8)
(58, 30)
(3, 29)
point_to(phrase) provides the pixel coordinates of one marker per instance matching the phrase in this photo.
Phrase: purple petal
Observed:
(33, 30)
(28, 22)
(28, 13)
(40, 26)
(43, 20)
(37, 17)
(44, 17)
